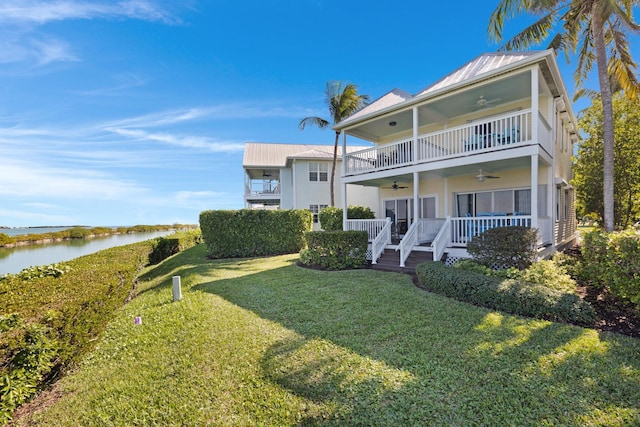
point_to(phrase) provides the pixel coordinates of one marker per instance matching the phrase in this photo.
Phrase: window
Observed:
(318, 172)
(315, 210)
(502, 202)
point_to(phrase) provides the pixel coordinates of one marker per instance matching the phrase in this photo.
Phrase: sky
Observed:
(127, 112)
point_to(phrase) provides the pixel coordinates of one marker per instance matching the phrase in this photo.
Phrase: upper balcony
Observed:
(262, 189)
(500, 132)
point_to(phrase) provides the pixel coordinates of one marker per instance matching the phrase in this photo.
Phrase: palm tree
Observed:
(597, 31)
(343, 100)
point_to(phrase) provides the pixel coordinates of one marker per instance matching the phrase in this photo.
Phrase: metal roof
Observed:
(261, 155)
(483, 64)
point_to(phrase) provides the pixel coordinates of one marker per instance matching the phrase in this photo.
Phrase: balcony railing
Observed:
(494, 133)
(262, 188)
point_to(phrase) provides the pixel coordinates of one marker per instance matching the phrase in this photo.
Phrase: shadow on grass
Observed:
(384, 353)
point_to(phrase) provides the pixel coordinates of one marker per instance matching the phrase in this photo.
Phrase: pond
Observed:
(13, 260)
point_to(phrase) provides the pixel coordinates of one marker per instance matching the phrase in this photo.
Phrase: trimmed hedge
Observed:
(504, 247)
(335, 250)
(51, 315)
(164, 247)
(248, 233)
(331, 217)
(509, 295)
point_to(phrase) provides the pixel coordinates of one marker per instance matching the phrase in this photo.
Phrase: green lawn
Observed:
(264, 342)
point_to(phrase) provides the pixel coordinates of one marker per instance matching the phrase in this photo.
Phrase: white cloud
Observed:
(34, 180)
(43, 11)
(51, 50)
(181, 141)
(33, 217)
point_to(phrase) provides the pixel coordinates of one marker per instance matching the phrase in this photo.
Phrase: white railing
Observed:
(380, 241)
(373, 227)
(407, 243)
(262, 188)
(396, 154)
(442, 240)
(490, 134)
(465, 229)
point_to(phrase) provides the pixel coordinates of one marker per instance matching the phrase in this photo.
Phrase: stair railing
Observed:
(382, 239)
(407, 243)
(442, 240)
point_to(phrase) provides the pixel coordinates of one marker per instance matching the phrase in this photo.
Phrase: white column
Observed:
(534, 191)
(534, 104)
(415, 135)
(416, 196)
(294, 200)
(344, 185)
(550, 207)
(446, 198)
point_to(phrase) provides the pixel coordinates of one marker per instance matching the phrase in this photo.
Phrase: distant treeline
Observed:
(85, 232)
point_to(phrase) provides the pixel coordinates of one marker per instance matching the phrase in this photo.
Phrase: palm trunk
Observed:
(597, 27)
(333, 169)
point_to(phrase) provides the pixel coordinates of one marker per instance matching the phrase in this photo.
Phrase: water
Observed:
(13, 260)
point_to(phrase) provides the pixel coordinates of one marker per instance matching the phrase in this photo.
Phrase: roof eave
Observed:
(421, 98)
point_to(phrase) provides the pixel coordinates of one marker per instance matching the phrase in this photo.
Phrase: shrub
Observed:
(331, 217)
(78, 232)
(612, 261)
(5, 239)
(504, 247)
(510, 295)
(335, 250)
(27, 354)
(249, 233)
(164, 247)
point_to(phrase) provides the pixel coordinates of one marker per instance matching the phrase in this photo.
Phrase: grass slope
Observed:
(264, 342)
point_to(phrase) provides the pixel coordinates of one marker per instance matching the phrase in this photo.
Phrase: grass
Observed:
(264, 342)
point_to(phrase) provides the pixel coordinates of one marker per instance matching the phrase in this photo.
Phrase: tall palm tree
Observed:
(597, 31)
(343, 100)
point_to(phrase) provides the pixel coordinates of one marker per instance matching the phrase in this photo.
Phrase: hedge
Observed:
(331, 217)
(509, 295)
(335, 250)
(52, 314)
(504, 247)
(248, 233)
(612, 261)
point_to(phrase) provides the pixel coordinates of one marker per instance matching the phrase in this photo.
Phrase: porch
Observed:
(441, 235)
(499, 132)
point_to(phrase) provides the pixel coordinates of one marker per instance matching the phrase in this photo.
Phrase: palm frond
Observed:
(314, 121)
(534, 34)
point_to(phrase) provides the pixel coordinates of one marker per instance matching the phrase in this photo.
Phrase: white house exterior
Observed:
(297, 176)
(488, 145)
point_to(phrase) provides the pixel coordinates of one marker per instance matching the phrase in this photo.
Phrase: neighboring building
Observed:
(488, 145)
(296, 176)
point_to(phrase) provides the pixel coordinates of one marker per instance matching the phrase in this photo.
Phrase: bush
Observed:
(164, 247)
(331, 217)
(6, 240)
(504, 247)
(612, 261)
(335, 250)
(509, 295)
(249, 233)
(78, 232)
(27, 354)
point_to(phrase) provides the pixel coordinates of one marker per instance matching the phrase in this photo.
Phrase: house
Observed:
(488, 145)
(297, 176)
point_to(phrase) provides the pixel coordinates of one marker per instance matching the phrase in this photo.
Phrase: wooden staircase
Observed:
(390, 261)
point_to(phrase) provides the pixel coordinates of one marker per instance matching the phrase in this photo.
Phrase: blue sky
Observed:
(136, 111)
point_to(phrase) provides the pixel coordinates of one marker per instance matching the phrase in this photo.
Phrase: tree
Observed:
(597, 31)
(588, 164)
(343, 100)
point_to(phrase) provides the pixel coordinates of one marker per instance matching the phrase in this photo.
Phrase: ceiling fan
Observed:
(481, 176)
(395, 186)
(482, 102)
(266, 174)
